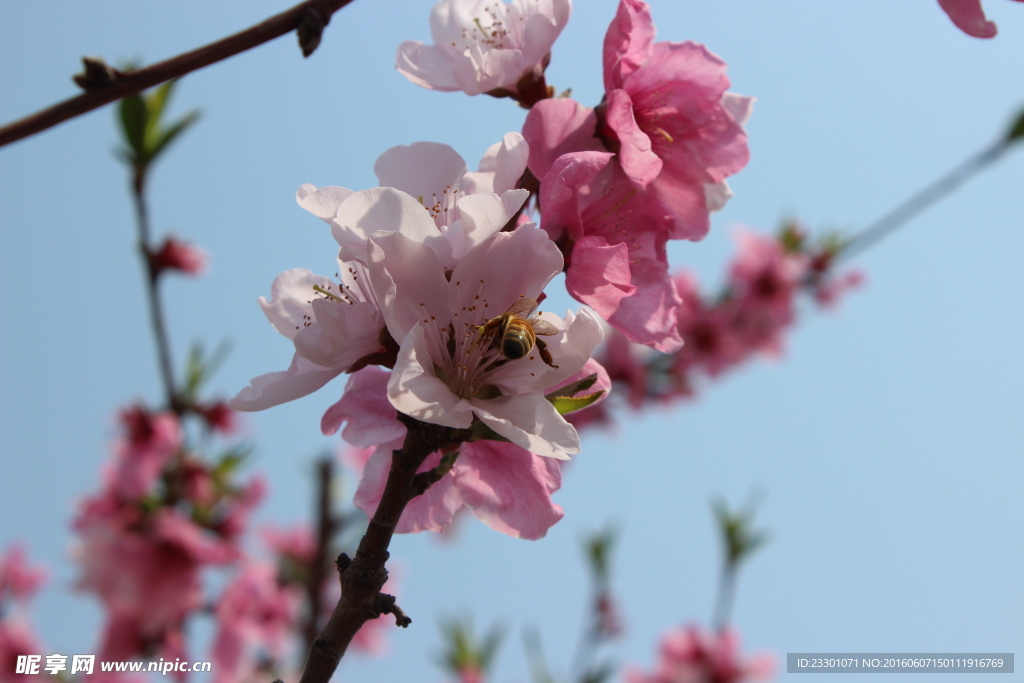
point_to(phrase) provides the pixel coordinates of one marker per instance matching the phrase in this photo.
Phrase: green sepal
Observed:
(572, 389)
(481, 432)
(570, 404)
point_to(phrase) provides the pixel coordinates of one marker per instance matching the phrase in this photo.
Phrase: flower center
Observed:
(493, 29)
(444, 209)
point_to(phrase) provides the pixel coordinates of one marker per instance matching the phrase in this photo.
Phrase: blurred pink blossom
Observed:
(253, 613)
(18, 579)
(150, 439)
(690, 655)
(174, 254)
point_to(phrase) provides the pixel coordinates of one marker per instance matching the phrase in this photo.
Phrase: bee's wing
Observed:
(541, 326)
(522, 307)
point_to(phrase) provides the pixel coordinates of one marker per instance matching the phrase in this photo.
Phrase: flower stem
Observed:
(152, 278)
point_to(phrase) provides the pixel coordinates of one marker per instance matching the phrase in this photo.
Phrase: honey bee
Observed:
(515, 331)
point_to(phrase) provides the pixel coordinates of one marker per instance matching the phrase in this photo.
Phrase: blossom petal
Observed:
(529, 421)
(558, 126)
(559, 191)
(340, 334)
(302, 377)
(408, 280)
(428, 66)
(365, 406)
(323, 202)
(485, 214)
(479, 71)
(532, 260)
(716, 195)
(420, 170)
(414, 389)
(385, 208)
(969, 17)
(508, 488)
(628, 42)
(599, 274)
(649, 315)
(290, 296)
(501, 166)
(638, 159)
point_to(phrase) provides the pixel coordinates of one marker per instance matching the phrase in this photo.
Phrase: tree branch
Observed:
(308, 18)
(327, 526)
(363, 576)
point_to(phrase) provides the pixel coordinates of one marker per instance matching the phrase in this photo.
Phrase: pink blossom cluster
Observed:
(646, 166)
(750, 316)
(432, 266)
(692, 655)
(162, 516)
(19, 582)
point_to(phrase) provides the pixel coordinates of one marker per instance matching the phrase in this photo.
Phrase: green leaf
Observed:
(167, 136)
(134, 117)
(1016, 131)
(156, 102)
(574, 388)
(565, 404)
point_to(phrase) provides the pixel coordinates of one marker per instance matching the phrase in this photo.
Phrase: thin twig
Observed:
(308, 18)
(724, 596)
(152, 278)
(921, 200)
(363, 576)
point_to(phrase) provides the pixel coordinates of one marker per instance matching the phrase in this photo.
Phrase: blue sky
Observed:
(888, 439)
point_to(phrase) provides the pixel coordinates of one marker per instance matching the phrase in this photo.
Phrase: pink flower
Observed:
(174, 254)
(484, 45)
(253, 612)
(444, 374)
(18, 579)
(669, 116)
(151, 439)
(506, 487)
(332, 325)
(689, 655)
(646, 166)
(17, 639)
(969, 17)
(338, 326)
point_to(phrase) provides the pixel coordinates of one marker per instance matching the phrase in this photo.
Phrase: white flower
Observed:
(483, 45)
(446, 373)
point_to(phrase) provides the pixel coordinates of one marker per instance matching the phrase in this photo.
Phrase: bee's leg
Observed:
(545, 355)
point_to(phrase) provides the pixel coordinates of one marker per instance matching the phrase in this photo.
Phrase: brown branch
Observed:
(326, 528)
(363, 576)
(308, 18)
